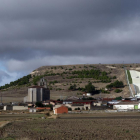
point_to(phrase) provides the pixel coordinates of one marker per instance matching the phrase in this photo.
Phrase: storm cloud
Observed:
(54, 32)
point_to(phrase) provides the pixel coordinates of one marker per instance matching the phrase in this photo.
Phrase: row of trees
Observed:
(22, 81)
(95, 74)
(89, 88)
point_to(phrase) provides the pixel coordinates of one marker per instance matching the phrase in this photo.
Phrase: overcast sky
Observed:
(36, 33)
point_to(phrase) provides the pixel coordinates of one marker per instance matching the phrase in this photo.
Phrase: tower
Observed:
(43, 82)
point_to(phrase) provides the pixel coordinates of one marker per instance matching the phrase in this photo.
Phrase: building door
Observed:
(136, 107)
(86, 108)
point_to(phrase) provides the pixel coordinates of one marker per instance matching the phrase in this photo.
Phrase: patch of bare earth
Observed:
(76, 129)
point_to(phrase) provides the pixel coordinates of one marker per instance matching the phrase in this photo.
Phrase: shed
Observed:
(32, 110)
(60, 110)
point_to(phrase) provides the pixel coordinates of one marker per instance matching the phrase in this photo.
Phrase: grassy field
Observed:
(100, 126)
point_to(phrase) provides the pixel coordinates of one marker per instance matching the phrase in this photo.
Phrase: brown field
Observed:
(99, 126)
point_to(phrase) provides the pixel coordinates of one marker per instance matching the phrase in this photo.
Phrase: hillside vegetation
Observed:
(68, 80)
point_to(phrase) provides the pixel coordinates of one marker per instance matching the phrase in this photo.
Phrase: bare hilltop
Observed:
(70, 80)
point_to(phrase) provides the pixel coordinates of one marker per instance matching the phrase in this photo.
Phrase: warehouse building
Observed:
(127, 105)
(11, 107)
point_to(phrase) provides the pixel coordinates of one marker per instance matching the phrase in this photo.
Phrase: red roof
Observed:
(41, 108)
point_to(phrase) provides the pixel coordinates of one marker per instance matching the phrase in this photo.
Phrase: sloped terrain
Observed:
(60, 78)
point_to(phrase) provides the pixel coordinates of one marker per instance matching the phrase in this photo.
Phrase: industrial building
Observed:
(127, 105)
(38, 93)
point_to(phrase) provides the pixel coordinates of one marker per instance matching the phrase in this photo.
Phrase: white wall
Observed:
(68, 105)
(73, 107)
(135, 79)
(119, 107)
(20, 108)
(4, 108)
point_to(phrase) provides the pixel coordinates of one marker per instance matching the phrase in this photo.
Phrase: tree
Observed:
(72, 87)
(39, 104)
(90, 88)
(118, 90)
(118, 98)
(118, 84)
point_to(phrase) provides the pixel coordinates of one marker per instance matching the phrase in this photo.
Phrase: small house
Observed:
(60, 110)
(77, 106)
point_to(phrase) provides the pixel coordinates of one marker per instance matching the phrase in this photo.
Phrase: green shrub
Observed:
(114, 77)
(22, 81)
(129, 77)
(72, 87)
(89, 88)
(116, 84)
(118, 98)
(118, 90)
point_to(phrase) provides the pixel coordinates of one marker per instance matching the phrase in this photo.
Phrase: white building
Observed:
(127, 106)
(10, 107)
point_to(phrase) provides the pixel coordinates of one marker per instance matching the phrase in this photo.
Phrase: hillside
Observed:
(60, 78)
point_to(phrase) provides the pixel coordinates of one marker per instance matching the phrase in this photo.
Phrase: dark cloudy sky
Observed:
(35, 33)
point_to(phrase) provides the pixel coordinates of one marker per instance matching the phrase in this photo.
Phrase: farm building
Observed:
(60, 110)
(77, 106)
(127, 106)
(97, 103)
(81, 106)
(10, 107)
